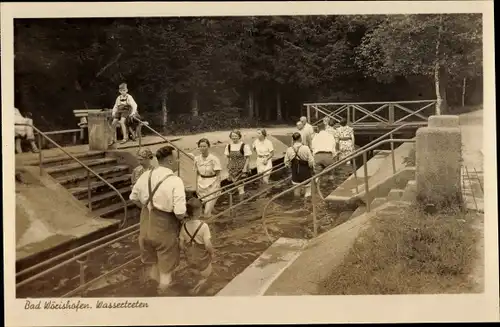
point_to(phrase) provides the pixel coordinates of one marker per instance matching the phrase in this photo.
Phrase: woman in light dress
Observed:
(208, 168)
(264, 149)
(345, 138)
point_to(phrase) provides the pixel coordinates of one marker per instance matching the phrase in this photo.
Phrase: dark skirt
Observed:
(300, 171)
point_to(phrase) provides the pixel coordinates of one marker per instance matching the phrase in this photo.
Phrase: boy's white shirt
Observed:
(130, 101)
(203, 235)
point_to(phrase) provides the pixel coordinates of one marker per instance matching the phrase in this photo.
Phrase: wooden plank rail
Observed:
(369, 114)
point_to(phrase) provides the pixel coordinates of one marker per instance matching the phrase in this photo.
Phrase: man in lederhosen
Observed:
(161, 195)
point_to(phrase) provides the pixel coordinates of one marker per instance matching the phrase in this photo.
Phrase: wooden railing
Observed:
(372, 113)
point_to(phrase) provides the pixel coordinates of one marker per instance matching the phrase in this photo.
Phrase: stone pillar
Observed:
(438, 162)
(99, 131)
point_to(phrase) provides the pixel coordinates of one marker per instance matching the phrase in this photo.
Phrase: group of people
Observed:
(169, 223)
(315, 148)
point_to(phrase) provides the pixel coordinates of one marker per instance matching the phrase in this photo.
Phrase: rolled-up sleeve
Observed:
(135, 195)
(179, 196)
(286, 160)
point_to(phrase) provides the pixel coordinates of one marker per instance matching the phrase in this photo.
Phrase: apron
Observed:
(236, 162)
(159, 233)
(300, 168)
(196, 254)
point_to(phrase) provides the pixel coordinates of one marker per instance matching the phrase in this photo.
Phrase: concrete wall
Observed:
(48, 215)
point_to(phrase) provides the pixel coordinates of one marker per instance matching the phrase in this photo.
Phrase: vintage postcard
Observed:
(249, 162)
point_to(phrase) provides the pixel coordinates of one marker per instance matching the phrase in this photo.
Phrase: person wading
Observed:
(238, 155)
(324, 149)
(265, 152)
(161, 194)
(301, 161)
(345, 135)
(208, 168)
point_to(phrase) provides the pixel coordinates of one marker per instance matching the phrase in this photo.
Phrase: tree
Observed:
(437, 46)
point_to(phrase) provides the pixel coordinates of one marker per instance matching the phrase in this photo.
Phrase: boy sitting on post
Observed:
(195, 241)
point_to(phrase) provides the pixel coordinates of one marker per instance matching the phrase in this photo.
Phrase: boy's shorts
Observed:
(197, 256)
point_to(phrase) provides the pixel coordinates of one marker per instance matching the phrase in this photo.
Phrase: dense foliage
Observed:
(242, 70)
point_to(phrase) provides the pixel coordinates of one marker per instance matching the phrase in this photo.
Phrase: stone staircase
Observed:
(105, 202)
(408, 194)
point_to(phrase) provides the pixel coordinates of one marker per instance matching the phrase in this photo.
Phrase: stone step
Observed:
(98, 187)
(257, 277)
(410, 191)
(107, 198)
(63, 159)
(115, 210)
(80, 180)
(395, 194)
(377, 202)
(75, 168)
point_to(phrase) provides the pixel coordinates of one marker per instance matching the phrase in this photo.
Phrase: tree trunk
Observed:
(463, 92)
(279, 114)
(251, 104)
(257, 103)
(164, 110)
(437, 69)
(194, 105)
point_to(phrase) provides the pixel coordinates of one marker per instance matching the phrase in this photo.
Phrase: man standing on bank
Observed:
(161, 195)
(324, 149)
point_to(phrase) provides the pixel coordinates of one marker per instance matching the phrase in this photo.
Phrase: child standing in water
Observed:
(195, 240)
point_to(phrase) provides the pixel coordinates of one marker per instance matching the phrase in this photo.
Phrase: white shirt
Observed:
(130, 101)
(202, 237)
(263, 148)
(309, 128)
(170, 196)
(236, 147)
(323, 142)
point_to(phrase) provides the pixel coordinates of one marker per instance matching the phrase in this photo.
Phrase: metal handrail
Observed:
(89, 170)
(74, 251)
(326, 170)
(228, 189)
(179, 150)
(390, 134)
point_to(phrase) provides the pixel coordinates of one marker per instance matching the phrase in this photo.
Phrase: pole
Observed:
(313, 202)
(366, 182)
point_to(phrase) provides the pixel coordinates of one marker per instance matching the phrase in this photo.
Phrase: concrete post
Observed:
(438, 162)
(99, 131)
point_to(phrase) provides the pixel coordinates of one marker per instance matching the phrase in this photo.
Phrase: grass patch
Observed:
(409, 252)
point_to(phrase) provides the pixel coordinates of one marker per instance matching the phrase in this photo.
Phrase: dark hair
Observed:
(204, 140)
(321, 126)
(235, 131)
(343, 122)
(331, 122)
(296, 137)
(192, 205)
(263, 131)
(164, 152)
